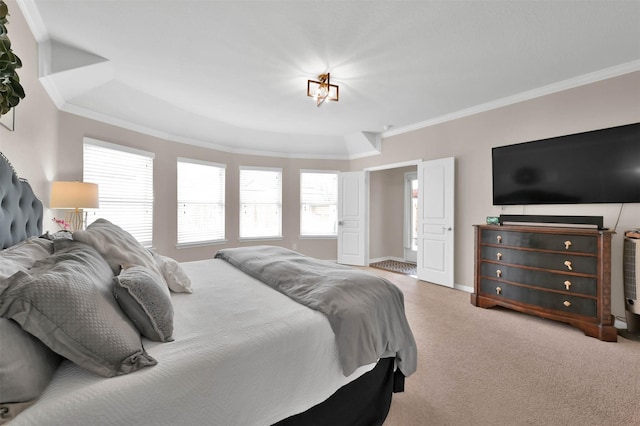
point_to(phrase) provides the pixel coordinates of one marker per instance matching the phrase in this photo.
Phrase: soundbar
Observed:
(551, 220)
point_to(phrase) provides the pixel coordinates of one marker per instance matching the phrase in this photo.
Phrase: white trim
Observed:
(117, 147)
(560, 86)
(319, 171)
(248, 239)
(318, 237)
(461, 287)
(201, 162)
(260, 168)
(393, 165)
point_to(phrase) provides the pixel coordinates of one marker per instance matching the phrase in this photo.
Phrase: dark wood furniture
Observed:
(562, 274)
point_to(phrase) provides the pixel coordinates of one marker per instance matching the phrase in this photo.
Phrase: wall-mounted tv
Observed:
(601, 166)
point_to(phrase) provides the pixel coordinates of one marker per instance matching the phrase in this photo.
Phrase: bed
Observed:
(95, 329)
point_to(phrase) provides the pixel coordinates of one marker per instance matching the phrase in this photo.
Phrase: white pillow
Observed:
(175, 276)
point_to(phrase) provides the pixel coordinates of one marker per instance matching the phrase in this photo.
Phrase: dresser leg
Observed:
(482, 302)
(606, 333)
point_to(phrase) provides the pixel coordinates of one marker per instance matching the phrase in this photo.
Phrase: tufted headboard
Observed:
(20, 210)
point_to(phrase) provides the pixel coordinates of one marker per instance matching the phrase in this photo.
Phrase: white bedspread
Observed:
(243, 354)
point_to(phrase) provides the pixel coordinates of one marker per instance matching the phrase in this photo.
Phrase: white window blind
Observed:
(125, 185)
(260, 202)
(318, 203)
(200, 201)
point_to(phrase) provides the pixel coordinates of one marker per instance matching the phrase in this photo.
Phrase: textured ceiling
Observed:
(232, 74)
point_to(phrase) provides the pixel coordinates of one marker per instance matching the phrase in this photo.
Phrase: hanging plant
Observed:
(11, 90)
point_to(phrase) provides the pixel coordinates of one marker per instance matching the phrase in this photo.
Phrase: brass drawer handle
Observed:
(567, 303)
(499, 238)
(499, 273)
(499, 256)
(567, 263)
(567, 244)
(498, 290)
(567, 284)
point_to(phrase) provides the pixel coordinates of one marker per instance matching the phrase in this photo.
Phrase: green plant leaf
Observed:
(11, 91)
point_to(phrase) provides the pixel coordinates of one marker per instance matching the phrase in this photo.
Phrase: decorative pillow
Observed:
(26, 368)
(175, 276)
(26, 364)
(65, 300)
(145, 298)
(23, 255)
(117, 246)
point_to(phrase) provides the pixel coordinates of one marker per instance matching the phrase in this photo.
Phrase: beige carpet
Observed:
(498, 367)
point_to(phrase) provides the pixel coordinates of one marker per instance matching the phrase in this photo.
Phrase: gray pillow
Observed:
(26, 364)
(23, 255)
(117, 246)
(145, 298)
(65, 300)
(26, 368)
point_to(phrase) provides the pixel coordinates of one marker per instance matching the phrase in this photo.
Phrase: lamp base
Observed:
(75, 219)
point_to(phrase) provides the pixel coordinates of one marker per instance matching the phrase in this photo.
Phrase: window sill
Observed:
(247, 239)
(318, 237)
(200, 244)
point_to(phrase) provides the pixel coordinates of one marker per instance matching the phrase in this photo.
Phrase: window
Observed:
(125, 184)
(260, 202)
(318, 203)
(200, 201)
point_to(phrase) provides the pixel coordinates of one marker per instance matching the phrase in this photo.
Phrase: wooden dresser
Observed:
(563, 274)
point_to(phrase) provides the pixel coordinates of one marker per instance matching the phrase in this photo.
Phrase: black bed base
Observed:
(363, 402)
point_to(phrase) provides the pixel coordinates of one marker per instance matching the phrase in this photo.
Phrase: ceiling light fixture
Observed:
(322, 90)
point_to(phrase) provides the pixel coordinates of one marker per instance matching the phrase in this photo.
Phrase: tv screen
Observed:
(601, 166)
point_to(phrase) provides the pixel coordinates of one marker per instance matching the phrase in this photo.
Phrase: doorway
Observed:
(411, 217)
(435, 222)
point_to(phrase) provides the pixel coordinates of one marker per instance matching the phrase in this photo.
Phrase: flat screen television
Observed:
(600, 166)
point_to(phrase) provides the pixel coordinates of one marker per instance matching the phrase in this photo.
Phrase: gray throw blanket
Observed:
(366, 312)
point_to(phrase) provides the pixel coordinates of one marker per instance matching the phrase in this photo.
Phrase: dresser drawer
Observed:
(559, 242)
(544, 279)
(539, 298)
(555, 261)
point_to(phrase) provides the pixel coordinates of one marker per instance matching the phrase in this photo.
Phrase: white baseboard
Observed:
(466, 288)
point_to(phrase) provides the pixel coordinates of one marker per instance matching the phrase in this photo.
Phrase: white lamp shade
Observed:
(74, 195)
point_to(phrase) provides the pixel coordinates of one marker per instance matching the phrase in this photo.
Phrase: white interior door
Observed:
(435, 221)
(353, 243)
